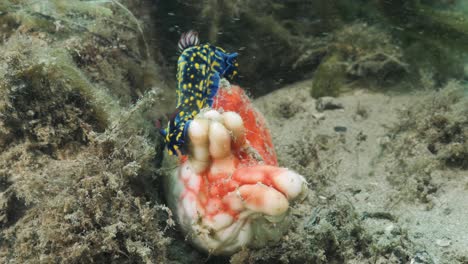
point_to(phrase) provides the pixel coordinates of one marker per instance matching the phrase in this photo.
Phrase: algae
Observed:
(329, 78)
(360, 55)
(274, 48)
(433, 37)
(332, 232)
(78, 175)
(430, 138)
(283, 42)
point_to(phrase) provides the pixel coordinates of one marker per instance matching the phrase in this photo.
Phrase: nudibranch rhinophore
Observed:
(228, 191)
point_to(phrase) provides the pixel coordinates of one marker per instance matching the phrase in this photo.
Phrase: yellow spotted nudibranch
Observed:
(199, 71)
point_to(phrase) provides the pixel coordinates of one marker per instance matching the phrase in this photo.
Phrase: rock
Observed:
(341, 129)
(318, 116)
(444, 242)
(422, 257)
(328, 103)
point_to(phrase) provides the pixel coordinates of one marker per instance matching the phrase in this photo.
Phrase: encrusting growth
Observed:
(227, 191)
(224, 196)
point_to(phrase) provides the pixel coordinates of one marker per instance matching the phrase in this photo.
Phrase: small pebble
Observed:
(318, 116)
(328, 103)
(340, 129)
(444, 242)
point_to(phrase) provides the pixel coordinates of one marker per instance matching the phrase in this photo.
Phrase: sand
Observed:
(345, 153)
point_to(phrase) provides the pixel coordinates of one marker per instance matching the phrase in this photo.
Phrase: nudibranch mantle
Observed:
(199, 71)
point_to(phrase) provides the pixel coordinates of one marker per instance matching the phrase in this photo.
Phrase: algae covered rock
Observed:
(329, 78)
(441, 124)
(370, 53)
(359, 53)
(78, 153)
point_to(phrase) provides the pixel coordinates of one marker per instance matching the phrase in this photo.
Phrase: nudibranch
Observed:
(227, 191)
(199, 71)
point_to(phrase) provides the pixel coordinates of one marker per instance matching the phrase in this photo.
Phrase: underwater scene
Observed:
(234, 131)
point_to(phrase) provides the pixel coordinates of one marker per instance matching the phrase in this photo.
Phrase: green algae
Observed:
(329, 78)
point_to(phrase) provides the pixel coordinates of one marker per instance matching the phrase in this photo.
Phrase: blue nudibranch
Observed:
(199, 71)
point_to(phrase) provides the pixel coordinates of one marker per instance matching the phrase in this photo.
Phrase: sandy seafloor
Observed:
(351, 143)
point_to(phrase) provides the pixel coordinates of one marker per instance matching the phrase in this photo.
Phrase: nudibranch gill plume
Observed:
(199, 71)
